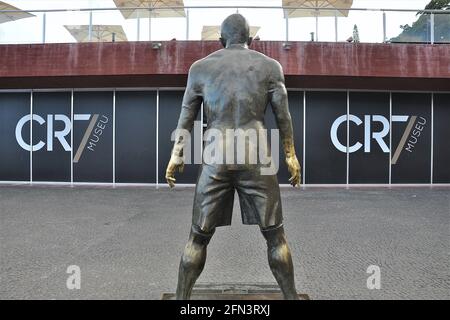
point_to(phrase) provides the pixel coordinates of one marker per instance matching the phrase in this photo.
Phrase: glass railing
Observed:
(202, 23)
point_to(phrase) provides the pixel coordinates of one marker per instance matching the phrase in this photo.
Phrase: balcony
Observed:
(269, 23)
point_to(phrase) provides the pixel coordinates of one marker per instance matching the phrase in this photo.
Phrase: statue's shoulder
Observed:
(213, 56)
(263, 58)
(269, 64)
(201, 64)
(257, 54)
(271, 61)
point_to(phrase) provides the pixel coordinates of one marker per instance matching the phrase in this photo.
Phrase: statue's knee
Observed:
(199, 236)
(274, 235)
(194, 253)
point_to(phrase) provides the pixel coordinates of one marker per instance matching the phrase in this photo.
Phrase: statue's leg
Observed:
(192, 261)
(280, 260)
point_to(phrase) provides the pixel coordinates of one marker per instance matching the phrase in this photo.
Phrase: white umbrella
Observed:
(12, 16)
(100, 33)
(213, 32)
(322, 8)
(150, 9)
(145, 5)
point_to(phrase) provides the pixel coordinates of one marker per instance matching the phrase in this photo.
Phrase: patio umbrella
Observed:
(12, 16)
(148, 9)
(100, 33)
(323, 5)
(213, 32)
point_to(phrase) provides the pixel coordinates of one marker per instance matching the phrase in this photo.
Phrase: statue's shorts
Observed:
(259, 197)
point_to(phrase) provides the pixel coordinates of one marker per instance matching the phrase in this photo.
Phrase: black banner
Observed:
(411, 138)
(326, 137)
(92, 137)
(218, 309)
(441, 139)
(15, 136)
(136, 136)
(369, 137)
(51, 136)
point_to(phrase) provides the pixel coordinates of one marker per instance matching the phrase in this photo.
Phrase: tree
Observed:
(420, 29)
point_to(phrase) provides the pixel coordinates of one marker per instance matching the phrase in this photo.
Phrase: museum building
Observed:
(104, 112)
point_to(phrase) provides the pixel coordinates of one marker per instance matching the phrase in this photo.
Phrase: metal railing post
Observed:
(187, 24)
(317, 27)
(44, 23)
(384, 26)
(432, 28)
(149, 24)
(90, 27)
(335, 26)
(286, 16)
(138, 26)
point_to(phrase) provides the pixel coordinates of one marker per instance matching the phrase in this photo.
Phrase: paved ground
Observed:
(127, 242)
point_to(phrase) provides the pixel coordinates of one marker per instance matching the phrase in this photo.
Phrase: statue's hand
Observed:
(294, 169)
(175, 163)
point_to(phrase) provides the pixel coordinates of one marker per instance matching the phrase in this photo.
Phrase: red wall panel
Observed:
(306, 64)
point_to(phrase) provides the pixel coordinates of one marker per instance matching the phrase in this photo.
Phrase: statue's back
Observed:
(235, 84)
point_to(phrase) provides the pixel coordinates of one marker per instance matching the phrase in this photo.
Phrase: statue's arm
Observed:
(190, 107)
(280, 107)
(192, 101)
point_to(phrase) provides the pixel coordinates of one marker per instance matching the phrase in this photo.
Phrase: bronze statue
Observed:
(235, 84)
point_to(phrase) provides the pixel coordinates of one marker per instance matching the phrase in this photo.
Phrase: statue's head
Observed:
(235, 30)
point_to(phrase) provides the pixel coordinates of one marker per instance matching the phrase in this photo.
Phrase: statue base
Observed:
(230, 291)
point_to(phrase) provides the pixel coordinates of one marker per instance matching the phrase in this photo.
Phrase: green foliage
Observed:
(437, 4)
(420, 29)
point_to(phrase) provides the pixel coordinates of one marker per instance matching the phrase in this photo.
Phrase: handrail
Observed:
(235, 7)
(430, 14)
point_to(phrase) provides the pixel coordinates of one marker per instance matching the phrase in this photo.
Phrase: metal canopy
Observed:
(99, 33)
(213, 32)
(154, 5)
(323, 5)
(12, 16)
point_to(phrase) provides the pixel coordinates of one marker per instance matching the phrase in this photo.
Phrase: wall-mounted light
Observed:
(156, 45)
(287, 46)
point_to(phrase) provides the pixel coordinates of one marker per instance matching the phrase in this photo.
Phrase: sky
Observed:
(271, 22)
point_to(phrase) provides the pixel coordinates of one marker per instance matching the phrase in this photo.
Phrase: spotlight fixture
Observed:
(287, 46)
(156, 45)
